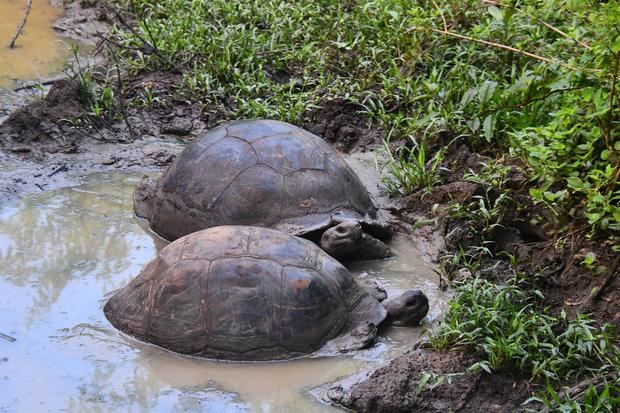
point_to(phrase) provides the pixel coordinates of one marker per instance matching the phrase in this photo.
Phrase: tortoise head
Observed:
(347, 241)
(342, 238)
(407, 309)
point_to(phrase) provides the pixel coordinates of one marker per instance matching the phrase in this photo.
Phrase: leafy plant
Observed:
(505, 325)
(409, 169)
(97, 98)
(535, 79)
(601, 398)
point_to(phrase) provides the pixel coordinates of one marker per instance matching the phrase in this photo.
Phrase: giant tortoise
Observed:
(251, 293)
(270, 174)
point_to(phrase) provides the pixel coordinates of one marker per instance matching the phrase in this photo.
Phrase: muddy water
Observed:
(39, 52)
(63, 252)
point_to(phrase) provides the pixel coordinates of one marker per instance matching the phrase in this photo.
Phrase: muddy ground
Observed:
(44, 146)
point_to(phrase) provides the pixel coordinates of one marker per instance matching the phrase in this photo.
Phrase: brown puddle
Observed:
(39, 51)
(63, 252)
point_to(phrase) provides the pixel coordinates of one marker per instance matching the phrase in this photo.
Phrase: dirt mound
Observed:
(341, 123)
(45, 124)
(432, 381)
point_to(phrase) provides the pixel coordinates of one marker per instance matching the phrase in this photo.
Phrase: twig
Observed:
(544, 23)
(150, 47)
(43, 82)
(505, 47)
(7, 337)
(443, 18)
(148, 32)
(120, 86)
(21, 24)
(61, 168)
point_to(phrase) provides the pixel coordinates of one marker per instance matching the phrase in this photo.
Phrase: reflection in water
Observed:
(51, 239)
(62, 253)
(39, 51)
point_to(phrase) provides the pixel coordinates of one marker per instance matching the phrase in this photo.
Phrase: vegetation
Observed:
(506, 325)
(533, 80)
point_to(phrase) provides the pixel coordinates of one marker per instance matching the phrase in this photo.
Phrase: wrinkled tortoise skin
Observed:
(253, 172)
(242, 293)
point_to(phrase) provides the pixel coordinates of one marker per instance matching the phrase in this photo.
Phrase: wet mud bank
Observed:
(44, 147)
(65, 184)
(88, 243)
(452, 388)
(40, 152)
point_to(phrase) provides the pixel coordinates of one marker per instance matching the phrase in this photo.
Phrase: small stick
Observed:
(505, 47)
(443, 18)
(44, 82)
(7, 337)
(21, 24)
(61, 168)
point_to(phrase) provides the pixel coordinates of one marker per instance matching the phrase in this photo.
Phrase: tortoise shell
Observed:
(242, 293)
(253, 172)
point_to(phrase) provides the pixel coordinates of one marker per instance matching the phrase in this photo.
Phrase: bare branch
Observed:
(21, 24)
(505, 47)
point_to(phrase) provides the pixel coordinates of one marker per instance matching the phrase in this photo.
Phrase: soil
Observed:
(554, 260)
(449, 386)
(83, 20)
(44, 145)
(341, 124)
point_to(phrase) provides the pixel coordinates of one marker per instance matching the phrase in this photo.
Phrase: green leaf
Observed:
(424, 377)
(537, 194)
(605, 155)
(589, 258)
(496, 13)
(486, 90)
(474, 124)
(615, 45)
(575, 182)
(593, 217)
(487, 127)
(468, 96)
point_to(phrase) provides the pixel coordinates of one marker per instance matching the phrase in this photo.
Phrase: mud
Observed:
(83, 20)
(342, 124)
(42, 149)
(400, 380)
(63, 252)
(19, 176)
(38, 51)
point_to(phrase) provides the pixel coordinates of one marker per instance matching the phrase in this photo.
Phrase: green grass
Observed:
(601, 398)
(507, 327)
(530, 79)
(553, 102)
(505, 324)
(410, 169)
